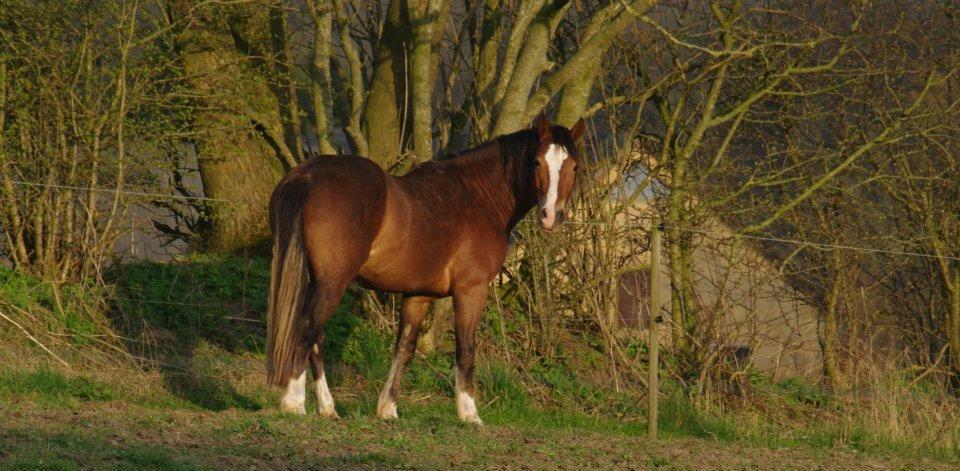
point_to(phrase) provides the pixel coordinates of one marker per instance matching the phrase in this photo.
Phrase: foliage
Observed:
(82, 114)
(822, 137)
(216, 297)
(71, 309)
(368, 351)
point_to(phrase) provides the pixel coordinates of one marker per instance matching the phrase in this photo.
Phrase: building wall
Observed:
(741, 295)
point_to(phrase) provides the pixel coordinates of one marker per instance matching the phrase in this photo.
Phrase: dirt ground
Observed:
(112, 435)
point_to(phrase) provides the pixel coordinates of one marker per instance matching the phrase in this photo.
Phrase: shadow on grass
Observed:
(172, 313)
(28, 449)
(22, 449)
(168, 311)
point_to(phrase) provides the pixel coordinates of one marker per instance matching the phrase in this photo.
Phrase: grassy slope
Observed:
(53, 421)
(202, 403)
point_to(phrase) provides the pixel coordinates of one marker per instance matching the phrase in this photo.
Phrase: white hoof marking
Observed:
(325, 405)
(387, 410)
(296, 395)
(466, 406)
(387, 405)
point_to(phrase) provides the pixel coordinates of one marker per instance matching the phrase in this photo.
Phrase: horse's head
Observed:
(555, 171)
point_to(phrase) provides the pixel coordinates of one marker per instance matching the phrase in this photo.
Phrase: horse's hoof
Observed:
(328, 414)
(298, 409)
(472, 419)
(387, 411)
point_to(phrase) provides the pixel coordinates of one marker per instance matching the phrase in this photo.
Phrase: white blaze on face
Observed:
(555, 156)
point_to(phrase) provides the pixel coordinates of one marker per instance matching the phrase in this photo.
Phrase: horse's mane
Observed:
(512, 149)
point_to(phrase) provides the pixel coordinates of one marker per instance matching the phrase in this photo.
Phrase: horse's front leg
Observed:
(468, 305)
(412, 313)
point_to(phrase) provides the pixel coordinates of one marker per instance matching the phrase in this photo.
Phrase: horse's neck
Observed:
(524, 197)
(503, 187)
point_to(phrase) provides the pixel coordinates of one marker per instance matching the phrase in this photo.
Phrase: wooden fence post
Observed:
(653, 341)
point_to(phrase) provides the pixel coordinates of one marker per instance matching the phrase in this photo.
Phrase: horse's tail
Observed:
(286, 325)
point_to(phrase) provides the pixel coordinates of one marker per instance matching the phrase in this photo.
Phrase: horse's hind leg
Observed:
(295, 396)
(325, 406)
(412, 313)
(324, 305)
(320, 304)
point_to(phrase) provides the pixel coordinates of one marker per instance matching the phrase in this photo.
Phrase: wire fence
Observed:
(782, 240)
(114, 191)
(255, 316)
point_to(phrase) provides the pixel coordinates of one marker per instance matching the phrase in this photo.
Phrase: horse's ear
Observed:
(577, 130)
(543, 126)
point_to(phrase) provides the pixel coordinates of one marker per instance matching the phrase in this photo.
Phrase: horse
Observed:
(440, 230)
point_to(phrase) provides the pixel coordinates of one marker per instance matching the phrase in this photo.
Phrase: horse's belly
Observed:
(416, 274)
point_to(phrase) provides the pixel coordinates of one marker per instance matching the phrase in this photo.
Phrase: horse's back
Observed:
(414, 233)
(430, 225)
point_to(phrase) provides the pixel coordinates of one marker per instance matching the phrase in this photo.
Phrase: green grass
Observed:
(205, 316)
(52, 388)
(67, 306)
(425, 426)
(220, 298)
(74, 450)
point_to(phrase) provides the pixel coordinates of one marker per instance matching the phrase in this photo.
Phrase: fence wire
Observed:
(806, 243)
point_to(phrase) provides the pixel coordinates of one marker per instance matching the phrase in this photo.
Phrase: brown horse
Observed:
(440, 230)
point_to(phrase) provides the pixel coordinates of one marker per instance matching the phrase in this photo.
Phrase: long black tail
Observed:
(286, 325)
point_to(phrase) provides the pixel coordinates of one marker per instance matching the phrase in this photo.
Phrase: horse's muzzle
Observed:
(550, 222)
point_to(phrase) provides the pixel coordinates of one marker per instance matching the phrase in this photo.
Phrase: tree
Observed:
(258, 85)
(82, 99)
(733, 110)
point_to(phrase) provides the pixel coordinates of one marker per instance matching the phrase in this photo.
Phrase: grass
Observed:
(75, 450)
(68, 421)
(203, 384)
(425, 407)
(51, 388)
(67, 307)
(219, 298)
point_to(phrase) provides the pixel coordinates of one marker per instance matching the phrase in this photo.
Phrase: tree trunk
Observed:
(238, 166)
(606, 25)
(531, 63)
(953, 323)
(286, 88)
(681, 269)
(831, 360)
(487, 33)
(320, 77)
(424, 18)
(383, 122)
(576, 95)
(430, 335)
